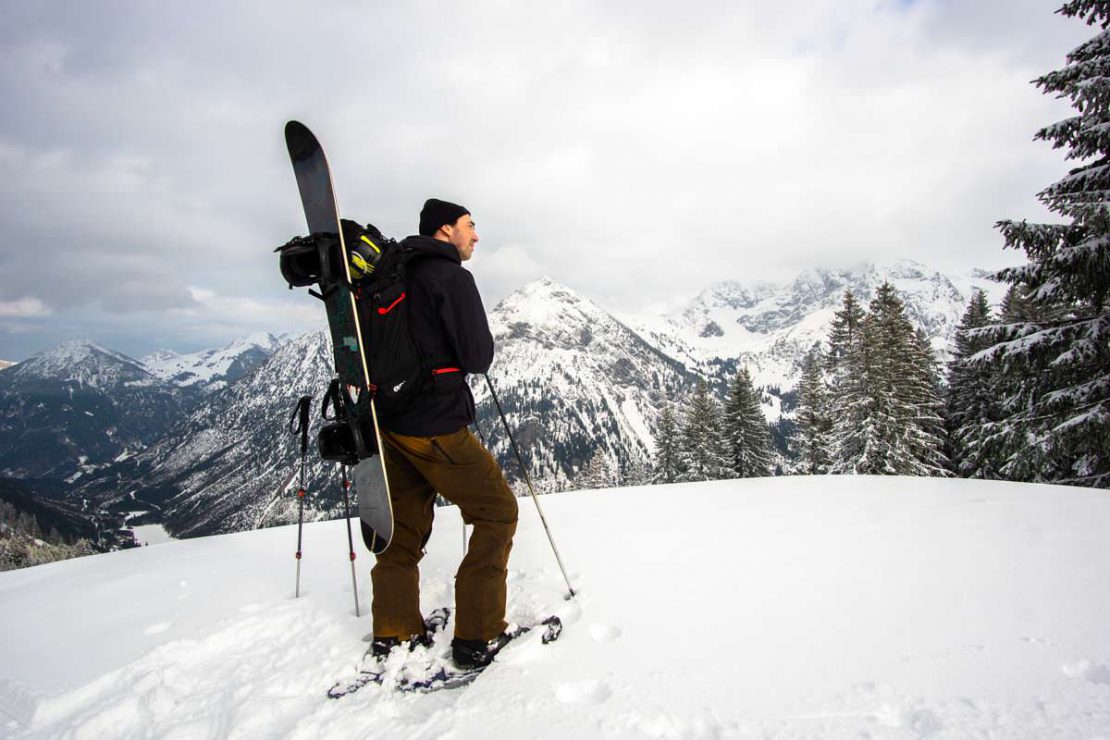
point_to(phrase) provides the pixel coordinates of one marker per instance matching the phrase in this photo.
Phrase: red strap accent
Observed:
(391, 306)
(442, 370)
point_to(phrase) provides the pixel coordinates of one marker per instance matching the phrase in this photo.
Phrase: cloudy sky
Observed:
(634, 150)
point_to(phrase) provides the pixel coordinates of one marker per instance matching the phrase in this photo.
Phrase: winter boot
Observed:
(469, 654)
(380, 647)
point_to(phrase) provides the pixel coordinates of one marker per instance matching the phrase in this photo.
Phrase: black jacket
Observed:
(449, 326)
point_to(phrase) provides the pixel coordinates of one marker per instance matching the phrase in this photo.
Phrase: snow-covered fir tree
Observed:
(925, 392)
(704, 453)
(598, 472)
(972, 398)
(844, 338)
(848, 370)
(638, 472)
(746, 431)
(1014, 387)
(812, 441)
(1067, 279)
(887, 404)
(668, 448)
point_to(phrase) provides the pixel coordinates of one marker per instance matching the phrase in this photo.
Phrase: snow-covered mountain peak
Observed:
(545, 306)
(213, 368)
(86, 363)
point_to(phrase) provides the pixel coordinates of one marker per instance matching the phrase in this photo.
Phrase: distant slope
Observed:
(228, 464)
(77, 407)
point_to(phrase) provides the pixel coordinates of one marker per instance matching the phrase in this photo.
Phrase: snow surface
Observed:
(824, 607)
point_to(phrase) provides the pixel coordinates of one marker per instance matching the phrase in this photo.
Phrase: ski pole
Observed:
(298, 424)
(350, 538)
(531, 490)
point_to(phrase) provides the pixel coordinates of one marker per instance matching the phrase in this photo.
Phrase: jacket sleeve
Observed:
(464, 317)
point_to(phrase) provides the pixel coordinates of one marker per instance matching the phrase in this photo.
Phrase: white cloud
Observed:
(24, 308)
(636, 151)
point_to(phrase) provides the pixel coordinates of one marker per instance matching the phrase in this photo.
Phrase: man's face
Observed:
(462, 235)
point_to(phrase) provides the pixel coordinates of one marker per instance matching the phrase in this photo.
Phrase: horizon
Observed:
(662, 311)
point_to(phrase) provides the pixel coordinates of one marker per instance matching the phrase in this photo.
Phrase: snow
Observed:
(207, 365)
(815, 607)
(87, 364)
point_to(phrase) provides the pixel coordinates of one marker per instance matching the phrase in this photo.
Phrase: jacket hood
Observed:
(432, 247)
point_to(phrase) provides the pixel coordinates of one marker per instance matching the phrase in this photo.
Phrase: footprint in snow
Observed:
(1091, 672)
(583, 692)
(604, 632)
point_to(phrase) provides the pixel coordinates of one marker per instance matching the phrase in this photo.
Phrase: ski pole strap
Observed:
(298, 422)
(338, 400)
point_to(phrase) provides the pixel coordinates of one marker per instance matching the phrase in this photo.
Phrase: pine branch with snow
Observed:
(1059, 357)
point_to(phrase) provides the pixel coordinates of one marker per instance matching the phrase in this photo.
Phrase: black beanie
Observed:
(436, 213)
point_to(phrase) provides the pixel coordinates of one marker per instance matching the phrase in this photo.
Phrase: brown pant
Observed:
(464, 473)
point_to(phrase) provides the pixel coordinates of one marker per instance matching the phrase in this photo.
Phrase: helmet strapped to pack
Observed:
(364, 249)
(317, 259)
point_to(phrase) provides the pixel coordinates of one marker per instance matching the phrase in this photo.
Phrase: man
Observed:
(428, 448)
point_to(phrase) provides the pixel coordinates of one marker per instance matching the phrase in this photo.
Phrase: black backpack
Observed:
(398, 373)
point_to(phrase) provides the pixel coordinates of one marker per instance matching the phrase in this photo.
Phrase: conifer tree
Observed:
(848, 381)
(971, 398)
(844, 337)
(926, 394)
(812, 441)
(1067, 279)
(668, 448)
(887, 405)
(703, 441)
(748, 437)
(597, 473)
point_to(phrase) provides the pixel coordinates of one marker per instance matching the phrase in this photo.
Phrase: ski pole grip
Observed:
(300, 416)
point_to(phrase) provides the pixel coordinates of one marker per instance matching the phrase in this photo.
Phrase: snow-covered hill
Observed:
(821, 607)
(213, 369)
(5, 364)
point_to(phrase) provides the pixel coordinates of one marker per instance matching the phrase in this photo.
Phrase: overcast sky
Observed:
(637, 150)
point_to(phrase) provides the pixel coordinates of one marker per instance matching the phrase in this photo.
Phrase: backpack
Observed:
(398, 373)
(378, 266)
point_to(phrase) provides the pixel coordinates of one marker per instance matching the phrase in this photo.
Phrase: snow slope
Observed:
(792, 607)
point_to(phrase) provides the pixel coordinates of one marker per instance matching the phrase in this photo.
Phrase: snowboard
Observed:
(322, 214)
(438, 671)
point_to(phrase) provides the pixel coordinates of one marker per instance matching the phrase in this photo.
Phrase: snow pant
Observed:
(463, 472)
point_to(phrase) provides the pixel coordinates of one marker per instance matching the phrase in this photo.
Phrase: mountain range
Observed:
(201, 441)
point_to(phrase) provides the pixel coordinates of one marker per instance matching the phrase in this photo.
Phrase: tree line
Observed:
(1026, 396)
